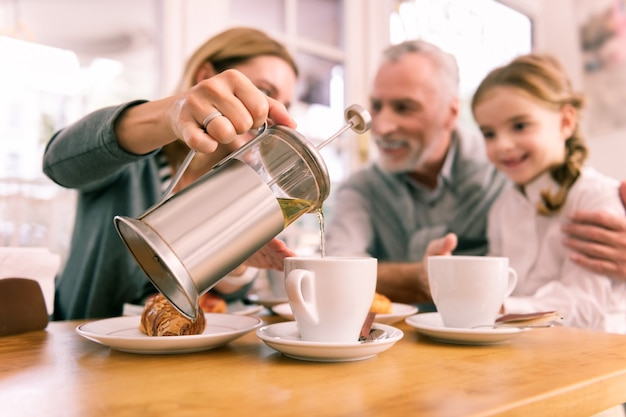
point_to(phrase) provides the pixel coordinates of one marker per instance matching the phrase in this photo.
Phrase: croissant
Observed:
(381, 304)
(212, 303)
(160, 318)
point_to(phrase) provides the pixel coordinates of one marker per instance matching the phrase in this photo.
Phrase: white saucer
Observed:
(285, 338)
(266, 300)
(431, 325)
(122, 333)
(400, 311)
(241, 309)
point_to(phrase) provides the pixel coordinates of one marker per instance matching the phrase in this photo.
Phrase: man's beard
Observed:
(413, 159)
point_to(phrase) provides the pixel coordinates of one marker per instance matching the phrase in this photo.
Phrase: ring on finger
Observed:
(210, 118)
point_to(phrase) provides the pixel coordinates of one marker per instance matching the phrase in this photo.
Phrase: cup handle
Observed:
(301, 295)
(512, 281)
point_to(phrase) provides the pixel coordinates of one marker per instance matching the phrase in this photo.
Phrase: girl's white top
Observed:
(547, 279)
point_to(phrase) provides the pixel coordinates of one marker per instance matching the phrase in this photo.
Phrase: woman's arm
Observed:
(152, 125)
(101, 143)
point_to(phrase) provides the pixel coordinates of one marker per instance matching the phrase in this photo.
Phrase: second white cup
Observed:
(330, 296)
(469, 291)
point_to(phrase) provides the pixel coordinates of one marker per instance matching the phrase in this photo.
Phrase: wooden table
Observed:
(545, 372)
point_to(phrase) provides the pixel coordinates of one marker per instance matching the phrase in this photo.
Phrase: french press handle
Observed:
(168, 193)
(357, 118)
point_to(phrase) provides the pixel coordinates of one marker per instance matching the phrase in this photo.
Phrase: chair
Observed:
(22, 306)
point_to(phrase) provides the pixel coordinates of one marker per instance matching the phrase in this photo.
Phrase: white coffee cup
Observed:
(469, 291)
(276, 281)
(330, 296)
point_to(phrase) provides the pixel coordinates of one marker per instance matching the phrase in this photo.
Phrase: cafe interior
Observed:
(64, 59)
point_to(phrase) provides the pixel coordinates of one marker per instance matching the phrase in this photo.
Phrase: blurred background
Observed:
(61, 59)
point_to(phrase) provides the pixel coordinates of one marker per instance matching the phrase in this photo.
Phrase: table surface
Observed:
(554, 371)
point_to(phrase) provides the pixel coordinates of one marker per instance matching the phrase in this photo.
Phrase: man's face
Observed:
(412, 119)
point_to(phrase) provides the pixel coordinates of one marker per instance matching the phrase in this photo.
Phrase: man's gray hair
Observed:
(443, 61)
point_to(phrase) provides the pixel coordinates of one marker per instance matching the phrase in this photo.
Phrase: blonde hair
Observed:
(224, 51)
(229, 48)
(544, 78)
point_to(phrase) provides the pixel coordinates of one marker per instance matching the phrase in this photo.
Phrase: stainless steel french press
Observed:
(189, 240)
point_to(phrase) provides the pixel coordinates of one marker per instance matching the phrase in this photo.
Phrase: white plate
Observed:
(237, 307)
(285, 338)
(266, 300)
(400, 311)
(431, 325)
(122, 333)
(241, 309)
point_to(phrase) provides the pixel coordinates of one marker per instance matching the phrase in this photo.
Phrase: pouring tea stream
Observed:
(189, 240)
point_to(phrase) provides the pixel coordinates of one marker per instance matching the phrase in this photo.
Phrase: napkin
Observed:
(38, 264)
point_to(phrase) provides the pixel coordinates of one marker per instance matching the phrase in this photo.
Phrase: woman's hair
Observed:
(232, 47)
(224, 51)
(445, 63)
(543, 77)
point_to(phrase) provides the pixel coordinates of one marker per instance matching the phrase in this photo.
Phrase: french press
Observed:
(189, 240)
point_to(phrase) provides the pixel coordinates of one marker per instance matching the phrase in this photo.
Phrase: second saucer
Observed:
(285, 338)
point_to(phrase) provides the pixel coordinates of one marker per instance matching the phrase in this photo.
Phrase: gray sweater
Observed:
(393, 218)
(100, 274)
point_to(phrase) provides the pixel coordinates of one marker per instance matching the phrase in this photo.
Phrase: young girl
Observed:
(529, 117)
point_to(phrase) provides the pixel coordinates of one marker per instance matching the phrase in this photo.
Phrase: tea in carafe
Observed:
(293, 208)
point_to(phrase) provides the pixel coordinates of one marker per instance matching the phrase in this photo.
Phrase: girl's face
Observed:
(523, 137)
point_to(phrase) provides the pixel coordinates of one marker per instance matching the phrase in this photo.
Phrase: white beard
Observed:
(415, 159)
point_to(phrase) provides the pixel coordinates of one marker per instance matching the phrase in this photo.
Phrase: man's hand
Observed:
(442, 246)
(271, 256)
(598, 240)
(438, 247)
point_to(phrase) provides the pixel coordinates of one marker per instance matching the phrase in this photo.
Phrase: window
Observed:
(61, 60)
(481, 34)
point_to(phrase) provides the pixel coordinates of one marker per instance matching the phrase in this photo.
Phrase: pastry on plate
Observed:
(381, 304)
(211, 303)
(161, 318)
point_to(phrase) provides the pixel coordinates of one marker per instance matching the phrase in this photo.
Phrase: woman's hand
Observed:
(242, 106)
(148, 126)
(271, 256)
